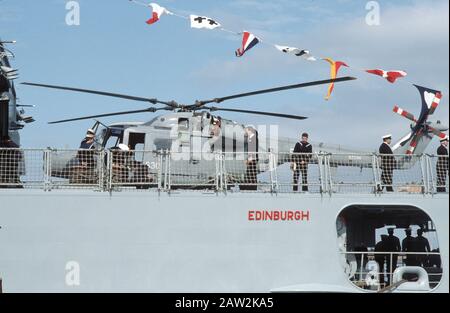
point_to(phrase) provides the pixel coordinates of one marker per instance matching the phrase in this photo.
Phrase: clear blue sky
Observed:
(114, 50)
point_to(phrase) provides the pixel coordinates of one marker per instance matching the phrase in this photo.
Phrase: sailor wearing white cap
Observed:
(388, 164)
(442, 165)
(86, 158)
(88, 141)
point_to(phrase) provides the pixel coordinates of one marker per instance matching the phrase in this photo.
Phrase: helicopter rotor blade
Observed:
(107, 114)
(264, 91)
(294, 117)
(103, 93)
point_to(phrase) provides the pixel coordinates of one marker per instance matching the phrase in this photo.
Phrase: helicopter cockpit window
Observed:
(110, 137)
(384, 246)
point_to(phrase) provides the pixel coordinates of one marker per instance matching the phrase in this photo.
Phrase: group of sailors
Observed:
(389, 164)
(416, 251)
(303, 154)
(124, 168)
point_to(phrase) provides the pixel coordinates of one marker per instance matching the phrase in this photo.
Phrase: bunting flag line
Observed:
(335, 67)
(203, 22)
(158, 11)
(297, 52)
(248, 41)
(391, 76)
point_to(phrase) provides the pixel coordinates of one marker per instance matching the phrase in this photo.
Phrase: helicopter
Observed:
(194, 135)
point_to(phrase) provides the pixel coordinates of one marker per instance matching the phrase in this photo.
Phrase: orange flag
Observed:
(335, 66)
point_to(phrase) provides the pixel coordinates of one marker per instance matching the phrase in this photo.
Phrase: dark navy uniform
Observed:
(409, 246)
(302, 157)
(422, 245)
(381, 258)
(84, 156)
(392, 244)
(442, 169)
(388, 163)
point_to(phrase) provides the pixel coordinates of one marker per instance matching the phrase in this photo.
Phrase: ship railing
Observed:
(375, 270)
(76, 169)
(437, 173)
(109, 170)
(51, 169)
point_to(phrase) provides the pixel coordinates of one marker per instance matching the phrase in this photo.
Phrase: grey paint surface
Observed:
(183, 242)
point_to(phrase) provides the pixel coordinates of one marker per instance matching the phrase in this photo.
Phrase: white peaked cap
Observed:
(444, 139)
(124, 147)
(90, 131)
(387, 136)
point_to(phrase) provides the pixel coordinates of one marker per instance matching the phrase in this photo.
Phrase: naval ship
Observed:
(171, 222)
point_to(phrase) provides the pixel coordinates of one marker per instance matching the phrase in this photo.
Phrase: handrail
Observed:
(328, 173)
(395, 286)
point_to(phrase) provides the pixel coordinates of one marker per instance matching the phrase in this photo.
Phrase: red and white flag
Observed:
(391, 76)
(157, 12)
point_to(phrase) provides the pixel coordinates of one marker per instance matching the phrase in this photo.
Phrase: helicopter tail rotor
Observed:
(421, 127)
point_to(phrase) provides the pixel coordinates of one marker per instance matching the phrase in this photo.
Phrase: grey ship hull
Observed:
(183, 242)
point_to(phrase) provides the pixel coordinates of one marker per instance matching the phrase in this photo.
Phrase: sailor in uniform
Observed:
(442, 166)
(85, 157)
(422, 245)
(392, 244)
(88, 142)
(408, 246)
(251, 146)
(300, 161)
(388, 163)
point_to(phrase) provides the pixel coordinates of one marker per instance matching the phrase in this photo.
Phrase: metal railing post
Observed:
(391, 276)
(109, 164)
(424, 170)
(224, 173)
(273, 172)
(376, 174)
(218, 175)
(159, 166)
(330, 177)
(432, 183)
(168, 171)
(101, 169)
(322, 174)
(47, 170)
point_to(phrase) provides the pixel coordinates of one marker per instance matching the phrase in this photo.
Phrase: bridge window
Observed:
(389, 247)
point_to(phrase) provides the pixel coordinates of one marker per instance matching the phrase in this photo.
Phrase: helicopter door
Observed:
(184, 135)
(136, 142)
